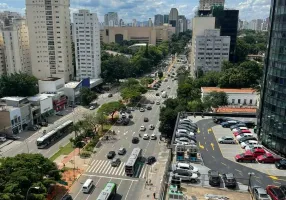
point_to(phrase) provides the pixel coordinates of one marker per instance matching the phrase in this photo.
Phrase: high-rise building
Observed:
(150, 23)
(17, 47)
(207, 4)
(184, 23)
(2, 56)
(111, 19)
(158, 20)
(271, 127)
(134, 23)
(121, 23)
(7, 17)
(181, 25)
(50, 41)
(173, 18)
(87, 45)
(189, 24)
(166, 19)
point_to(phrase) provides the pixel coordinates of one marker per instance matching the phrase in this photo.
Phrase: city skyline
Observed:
(143, 10)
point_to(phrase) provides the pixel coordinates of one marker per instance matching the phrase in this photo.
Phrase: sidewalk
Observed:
(155, 175)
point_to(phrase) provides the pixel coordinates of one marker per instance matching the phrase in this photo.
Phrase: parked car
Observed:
(45, 124)
(32, 128)
(245, 157)
(153, 137)
(283, 189)
(254, 146)
(152, 102)
(275, 192)
(146, 136)
(142, 128)
(126, 121)
(214, 179)
(281, 164)
(130, 116)
(228, 124)
(115, 162)
(157, 94)
(244, 135)
(237, 126)
(146, 119)
(256, 152)
(149, 107)
(157, 102)
(268, 158)
(110, 154)
(185, 166)
(110, 95)
(135, 140)
(151, 127)
(2, 139)
(150, 160)
(226, 140)
(241, 132)
(229, 180)
(12, 137)
(121, 151)
(67, 197)
(119, 121)
(248, 142)
(249, 124)
(259, 193)
(185, 175)
(90, 108)
(142, 110)
(246, 139)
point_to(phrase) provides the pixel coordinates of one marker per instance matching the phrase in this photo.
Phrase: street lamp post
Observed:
(249, 179)
(29, 191)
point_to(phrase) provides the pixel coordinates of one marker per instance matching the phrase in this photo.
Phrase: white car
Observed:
(142, 128)
(247, 143)
(2, 139)
(157, 102)
(91, 107)
(153, 137)
(255, 146)
(238, 129)
(142, 109)
(187, 166)
(146, 136)
(123, 115)
(244, 135)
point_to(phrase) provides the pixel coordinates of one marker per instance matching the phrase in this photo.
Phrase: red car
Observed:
(236, 133)
(247, 156)
(268, 158)
(275, 192)
(256, 152)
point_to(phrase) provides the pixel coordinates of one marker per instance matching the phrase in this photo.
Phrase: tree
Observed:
(111, 108)
(160, 74)
(215, 99)
(87, 96)
(195, 106)
(242, 49)
(131, 90)
(100, 118)
(18, 84)
(146, 81)
(226, 65)
(23, 171)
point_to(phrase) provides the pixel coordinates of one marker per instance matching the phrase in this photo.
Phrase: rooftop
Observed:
(227, 90)
(72, 84)
(38, 97)
(51, 79)
(228, 109)
(13, 98)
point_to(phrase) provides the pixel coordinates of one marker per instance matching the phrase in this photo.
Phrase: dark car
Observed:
(59, 114)
(115, 162)
(110, 95)
(214, 179)
(126, 121)
(67, 197)
(119, 121)
(219, 120)
(111, 154)
(244, 139)
(229, 180)
(146, 119)
(157, 94)
(12, 137)
(283, 189)
(43, 124)
(135, 140)
(249, 124)
(150, 160)
(121, 151)
(130, 116)
(281, 164)
(149, 108)
(275, 192)
(128, 111)
(32, 128)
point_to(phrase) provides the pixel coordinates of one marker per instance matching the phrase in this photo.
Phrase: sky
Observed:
(142, 10)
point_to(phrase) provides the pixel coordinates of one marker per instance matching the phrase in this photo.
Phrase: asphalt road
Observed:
(100, 169)
(29, 144)
(213, 159)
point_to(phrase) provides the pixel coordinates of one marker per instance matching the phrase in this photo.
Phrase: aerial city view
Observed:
(142, 100)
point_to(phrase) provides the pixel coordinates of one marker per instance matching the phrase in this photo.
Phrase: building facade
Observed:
(158, 20)
(49, 28)
(150, 23)
(182, 23)
(166, 19)
(173, 19)
(87, 45)
(207, 4)
(17, 47)
(272, 111)
(2, 55)
(111, 19)
(211, 50)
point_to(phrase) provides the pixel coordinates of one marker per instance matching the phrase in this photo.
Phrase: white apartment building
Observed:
(207, 4)
(50, 41)
(211, 50)
(2, 55)
(17, 47)
(87, 45)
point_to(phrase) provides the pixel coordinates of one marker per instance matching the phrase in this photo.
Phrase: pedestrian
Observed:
(154, 195)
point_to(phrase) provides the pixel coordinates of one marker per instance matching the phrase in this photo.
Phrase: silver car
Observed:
(259, 193)
(226, 140)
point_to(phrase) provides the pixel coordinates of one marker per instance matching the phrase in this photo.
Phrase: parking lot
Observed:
(230, 150)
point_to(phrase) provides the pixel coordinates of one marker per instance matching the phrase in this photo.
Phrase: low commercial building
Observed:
(243, 96)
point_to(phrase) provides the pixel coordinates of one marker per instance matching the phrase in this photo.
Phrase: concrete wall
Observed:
(46, 105)
(5, 121)
(51, 86)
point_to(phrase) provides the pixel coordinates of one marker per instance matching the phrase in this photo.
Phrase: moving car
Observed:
(281, 164)
(219, 120)
(121, 151)
(153, 137)
(109, 95)
(229, 180)
(185, 175)
(67, 197)
(149, 108)
(142, 128)
(256, 152)
(259, 193)
(248, 142)
(150, 160)
(151, 127)
(157, 94)
(135, 140)
(146, 119)
(12, 137)
(115, 162)
(245, 157)
(268, 158)
(226, 140)
(157, 102)
(142, 109)
(91, 107)
(214, 179)
(146, 136)
(111, 154)
(152, 102)
(186, 166)
(275, 192)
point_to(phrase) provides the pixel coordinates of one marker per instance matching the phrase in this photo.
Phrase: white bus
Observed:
(133, 162)
(54, 135)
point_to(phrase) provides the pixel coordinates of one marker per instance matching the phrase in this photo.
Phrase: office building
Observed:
(272, 110)
(134, 23)
(189, 24)
(207, 4)
(2, 56)
(50, 41)
(173, 18)
(111, 19)
(166, 19)
(87, 45)
(152, 35)
(158, 20)
(7, 17)
(211, 50)
(183, 25)
(17, 47)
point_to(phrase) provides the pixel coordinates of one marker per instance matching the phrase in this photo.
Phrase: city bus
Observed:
(108, 193)
(54, 135)
(133, 162)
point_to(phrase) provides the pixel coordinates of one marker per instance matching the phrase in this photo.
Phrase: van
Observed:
(87, 185)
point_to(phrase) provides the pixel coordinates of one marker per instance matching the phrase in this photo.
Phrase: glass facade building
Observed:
(272, 106)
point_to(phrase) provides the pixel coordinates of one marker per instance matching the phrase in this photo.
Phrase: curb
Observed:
(224, 189)
(6, 144)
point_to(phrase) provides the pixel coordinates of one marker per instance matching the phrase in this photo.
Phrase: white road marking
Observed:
(125, 179)
(90, 165)
(119, 168)
(101, 168)
(119, 184)
(143, 175)
(128, 190)
(98, 165)
(107, 169)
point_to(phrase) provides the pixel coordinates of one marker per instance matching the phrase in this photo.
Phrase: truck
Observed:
(164, 94)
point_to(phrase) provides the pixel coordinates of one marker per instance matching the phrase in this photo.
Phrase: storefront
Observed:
(60, 104)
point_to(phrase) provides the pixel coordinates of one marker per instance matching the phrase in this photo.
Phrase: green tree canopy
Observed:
(110, 108)
(18, 84)
(87, 96)
(131, 90)
(160, 74)
(215, 99)
(242, 50)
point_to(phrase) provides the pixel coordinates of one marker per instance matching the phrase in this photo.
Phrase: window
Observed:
(233, 101)
(238, 101)
(250, 101)
(244, 101)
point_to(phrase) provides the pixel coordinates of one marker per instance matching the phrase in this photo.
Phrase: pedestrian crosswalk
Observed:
(152, 96)
(104, 167)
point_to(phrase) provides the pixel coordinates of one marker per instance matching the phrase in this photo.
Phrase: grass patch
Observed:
(65, 150)
(106, 127)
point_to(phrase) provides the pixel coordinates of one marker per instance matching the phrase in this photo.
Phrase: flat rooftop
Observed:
(72, 84)
(13, 98)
